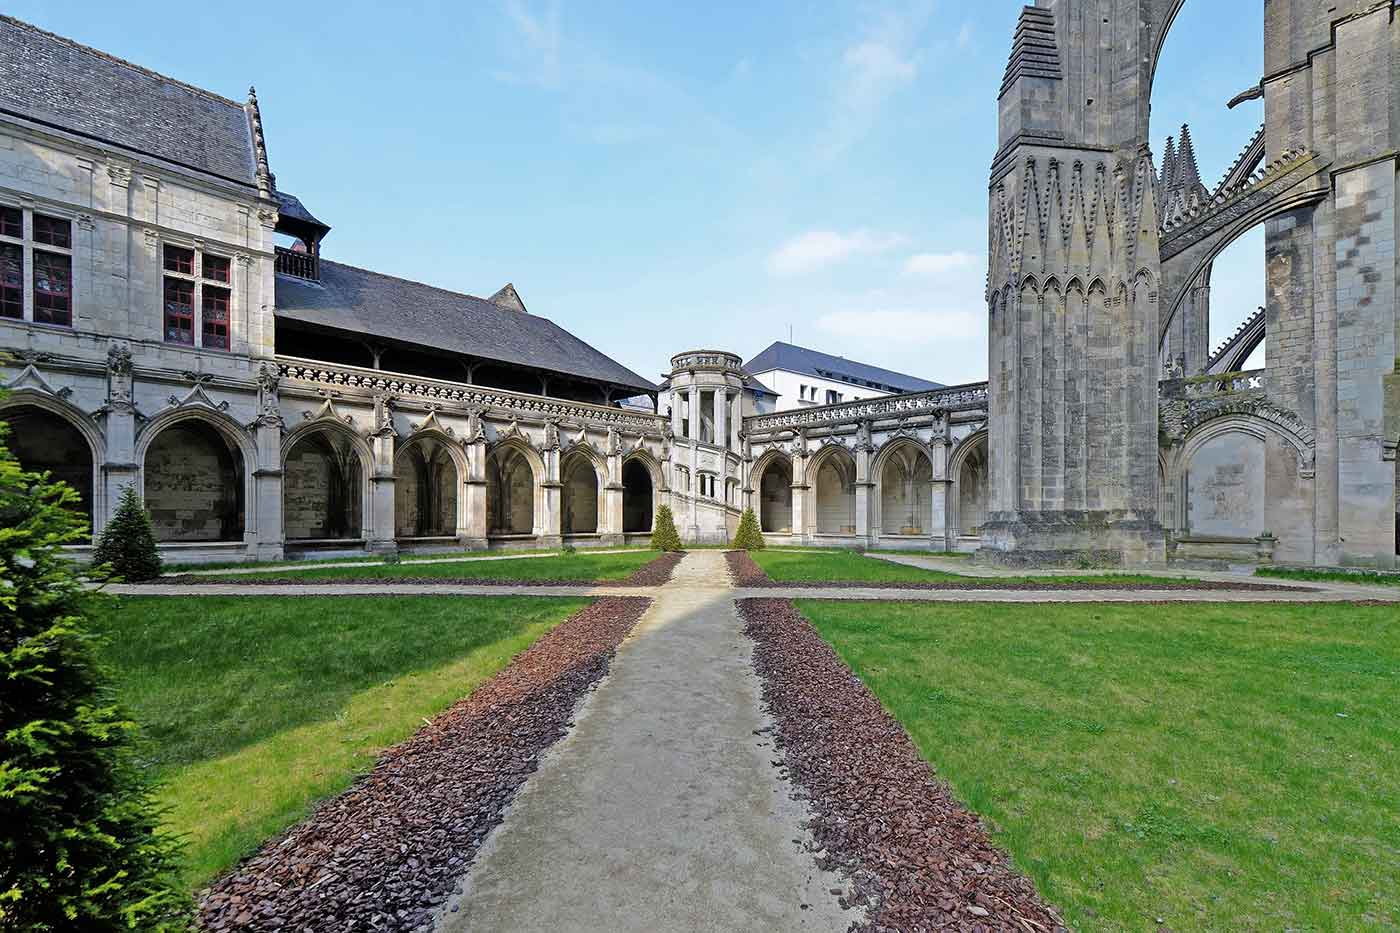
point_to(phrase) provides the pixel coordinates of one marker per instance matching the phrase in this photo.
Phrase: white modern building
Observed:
(802, 378)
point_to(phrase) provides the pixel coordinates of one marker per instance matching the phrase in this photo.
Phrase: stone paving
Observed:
(663, 809)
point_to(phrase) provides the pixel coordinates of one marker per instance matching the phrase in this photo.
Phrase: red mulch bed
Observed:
(744, 572)
(654, 572)
(922, 860)
(387, 852)
(747, 574)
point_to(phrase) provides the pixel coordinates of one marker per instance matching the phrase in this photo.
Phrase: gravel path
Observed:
(664, 809)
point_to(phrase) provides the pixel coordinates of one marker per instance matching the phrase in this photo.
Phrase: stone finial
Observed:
(267, 182)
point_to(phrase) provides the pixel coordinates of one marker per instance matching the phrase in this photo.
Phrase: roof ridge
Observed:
(74, 44)
(399, 278)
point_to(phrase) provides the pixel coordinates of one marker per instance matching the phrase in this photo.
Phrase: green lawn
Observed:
(608, 568)
(849, 566)
(409, 557)
(1365, 578)
(1218, 767)
(253, 708)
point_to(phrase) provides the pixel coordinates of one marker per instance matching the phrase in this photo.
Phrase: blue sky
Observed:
(656, 177)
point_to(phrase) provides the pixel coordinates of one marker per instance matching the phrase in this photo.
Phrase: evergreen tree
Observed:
(127, 544)
(748, 536)
(79, 843)
(664, 536)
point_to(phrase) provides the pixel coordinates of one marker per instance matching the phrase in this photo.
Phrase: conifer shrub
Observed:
(748, 536)
(664, 536)
(128, 545)
(80, 847)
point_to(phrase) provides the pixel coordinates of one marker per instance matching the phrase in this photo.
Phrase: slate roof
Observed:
(290, 206)
(59, 83)
(797, 359)
(372, 304)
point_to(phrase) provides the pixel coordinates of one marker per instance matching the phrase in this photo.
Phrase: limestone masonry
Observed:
(169, 322)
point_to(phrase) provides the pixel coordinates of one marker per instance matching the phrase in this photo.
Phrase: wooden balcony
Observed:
(300, 264)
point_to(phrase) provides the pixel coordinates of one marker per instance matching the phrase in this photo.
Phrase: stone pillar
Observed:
(610, 522)
(677, 419)
(693, 398)
(736, 424)
(262, 530)
(864, 490)
(722, 418)
(801, 504)
(940, 488)
(472, 527)
(551, 499)
(380, 520)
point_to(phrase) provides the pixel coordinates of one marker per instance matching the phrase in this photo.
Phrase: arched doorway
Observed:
(971, 485)
(425, 490)
(510, 492)
(638, 497)
(835, 488)
(322, 488)
(906, 500)
(580, 495)
(43, 441)
(194, 484)
(775, 497)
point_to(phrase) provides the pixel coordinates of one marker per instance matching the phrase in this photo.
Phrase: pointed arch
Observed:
(642, 483)
(515, 473)
(583, 473)
(50, 434)
(771, 480)
(969, 493)
(903, 472)
(194, 475)
(832, 474)
(326, 467)
(429, 469)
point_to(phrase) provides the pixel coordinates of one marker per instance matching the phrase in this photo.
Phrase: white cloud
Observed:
(539, 38)
(882, 61)
(903, 325)
(939, 264)
(965, 35)
(818, 249)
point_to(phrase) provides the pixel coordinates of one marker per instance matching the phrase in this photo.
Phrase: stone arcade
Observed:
(169, 323)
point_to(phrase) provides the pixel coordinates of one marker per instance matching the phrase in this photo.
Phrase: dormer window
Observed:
(197, 297)
(43, 244)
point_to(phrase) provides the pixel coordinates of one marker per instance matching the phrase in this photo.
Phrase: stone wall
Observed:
(194, 485)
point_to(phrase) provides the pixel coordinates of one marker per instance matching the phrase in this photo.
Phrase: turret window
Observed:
(43, 245)
(197, 298)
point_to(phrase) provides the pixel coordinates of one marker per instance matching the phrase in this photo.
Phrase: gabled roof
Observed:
(372, 304)
(57, 82)
(289, 206)
(792, 358)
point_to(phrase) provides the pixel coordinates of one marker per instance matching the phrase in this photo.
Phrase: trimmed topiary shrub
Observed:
(127, 545)
(664, 536)
(748, 537)
(79, 843)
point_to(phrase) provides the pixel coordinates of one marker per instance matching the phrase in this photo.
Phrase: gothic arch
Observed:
(326, 470)
(831, 474)
(197, 487)
(640, 499)
(428, 500)
(969, 492)
(91, 492)
(514, 499)
(582, 474)
(771, 481)
(903, 501)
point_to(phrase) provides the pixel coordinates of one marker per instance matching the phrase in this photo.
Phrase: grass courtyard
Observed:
(1191, 767)
(849, 566)
(582, 565)
(254, 708)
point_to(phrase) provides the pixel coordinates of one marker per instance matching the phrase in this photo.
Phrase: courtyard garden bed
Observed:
(387, 852)
(848, 569)
(628, 568)
(1211, 766)
(919, 859)
(252, 708)
(1360, 577)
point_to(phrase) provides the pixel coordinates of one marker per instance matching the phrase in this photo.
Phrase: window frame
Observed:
(30, 248)
(200, 328)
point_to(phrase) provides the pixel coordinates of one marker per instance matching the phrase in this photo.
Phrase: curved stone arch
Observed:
(769, 518)
(957, 459)
(234, 434)
(1250, 415)
(81, 422)
(1231, 357)
(657, 475)
(1052, 283)
(828, 455)
(1029, 279)
(922, 509)
(455, 452)
(1099, 285)
(539, 472)
(364, 456)
(1169, 15)
(575, 453)
(1205, 263)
